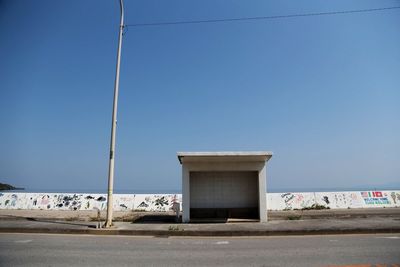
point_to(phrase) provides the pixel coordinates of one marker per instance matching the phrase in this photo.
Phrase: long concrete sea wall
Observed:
(163, 202)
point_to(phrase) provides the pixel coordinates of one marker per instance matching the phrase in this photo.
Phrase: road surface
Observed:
(85, 250)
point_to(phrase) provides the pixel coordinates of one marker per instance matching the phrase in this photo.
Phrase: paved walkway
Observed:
(91, 215)
(345, 222)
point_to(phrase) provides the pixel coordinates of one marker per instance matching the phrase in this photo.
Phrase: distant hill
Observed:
(8, 187)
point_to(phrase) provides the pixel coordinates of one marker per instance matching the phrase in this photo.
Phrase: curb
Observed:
(270, 218)
(168, 233)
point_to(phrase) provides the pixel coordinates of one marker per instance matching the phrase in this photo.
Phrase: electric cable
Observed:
(262, 17)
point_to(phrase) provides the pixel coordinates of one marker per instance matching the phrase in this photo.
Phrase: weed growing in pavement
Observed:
(316, 207)
(174, 228)
(294, 217)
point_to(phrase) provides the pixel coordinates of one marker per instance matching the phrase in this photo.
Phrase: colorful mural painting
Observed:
(376, 198)
(164, 202)
(333, 200)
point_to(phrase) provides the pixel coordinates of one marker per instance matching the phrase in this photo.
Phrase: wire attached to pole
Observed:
(261, 18)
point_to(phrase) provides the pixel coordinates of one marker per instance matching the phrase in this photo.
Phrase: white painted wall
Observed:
(163, 202)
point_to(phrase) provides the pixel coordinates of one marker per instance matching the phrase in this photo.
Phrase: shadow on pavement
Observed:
(157, 219)
(168, 219)
(60, 222)
(23, 218)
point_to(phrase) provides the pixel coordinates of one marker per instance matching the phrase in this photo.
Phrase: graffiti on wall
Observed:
(297, 200)
(52, 201)
(376, 198)
(395, 197)
(157, 202)
(62, 201)
(333, 200)
(339, 200)
(165, 202)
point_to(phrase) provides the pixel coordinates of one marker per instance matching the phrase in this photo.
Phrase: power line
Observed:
(261, 18)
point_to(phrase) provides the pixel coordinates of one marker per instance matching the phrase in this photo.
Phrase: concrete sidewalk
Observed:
(129, 216)
(368, 221)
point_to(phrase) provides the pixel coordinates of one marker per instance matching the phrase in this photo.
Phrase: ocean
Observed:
(179, 191)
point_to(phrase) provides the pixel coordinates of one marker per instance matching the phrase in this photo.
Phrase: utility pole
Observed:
(114, 124)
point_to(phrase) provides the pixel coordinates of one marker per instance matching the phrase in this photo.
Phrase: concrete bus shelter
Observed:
(223, 185)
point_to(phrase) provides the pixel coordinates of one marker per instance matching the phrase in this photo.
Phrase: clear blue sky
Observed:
(322, 93)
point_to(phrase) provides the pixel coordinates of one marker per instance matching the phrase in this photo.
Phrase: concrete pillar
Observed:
(262, 177)
(185, 194)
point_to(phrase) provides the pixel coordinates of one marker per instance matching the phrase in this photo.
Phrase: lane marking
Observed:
(366, 265)
(380, 235)
(23, 241)
(222, 242)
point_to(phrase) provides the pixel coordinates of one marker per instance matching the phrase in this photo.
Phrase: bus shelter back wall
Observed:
(224, 194)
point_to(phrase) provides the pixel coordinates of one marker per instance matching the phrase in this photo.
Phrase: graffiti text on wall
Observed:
(375, 198)
(333, 200)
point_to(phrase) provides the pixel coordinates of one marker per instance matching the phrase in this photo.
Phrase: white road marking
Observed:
(389, 237)
(164, 243)
(222, 242)
(23, 241)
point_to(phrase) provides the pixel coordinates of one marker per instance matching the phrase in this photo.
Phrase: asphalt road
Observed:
(84, 250)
